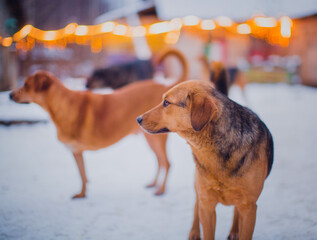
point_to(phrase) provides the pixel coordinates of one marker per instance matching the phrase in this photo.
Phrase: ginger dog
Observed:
(232, 149)
(87, 121)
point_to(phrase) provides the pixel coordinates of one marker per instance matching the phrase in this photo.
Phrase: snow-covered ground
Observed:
(38, 176)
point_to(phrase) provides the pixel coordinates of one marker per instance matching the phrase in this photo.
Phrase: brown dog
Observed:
(232, 148)
(87, 121)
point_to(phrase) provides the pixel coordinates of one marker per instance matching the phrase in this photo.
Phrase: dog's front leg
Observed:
(207, 216)
(234, 232)
(195, 231)
(247, 216)
(81, 167)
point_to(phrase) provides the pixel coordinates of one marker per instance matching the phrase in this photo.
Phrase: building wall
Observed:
(304, 44)
(48, 15)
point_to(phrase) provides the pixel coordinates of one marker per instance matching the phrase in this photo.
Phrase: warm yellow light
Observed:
(172, 28)
(49, 36)
(120, 30)
(81, 30)
(286, 24)
(26, 30)
(6, 42)
(160, 27)
(191, 20)
(70, 28)
(243, 29)
(18, 45)
(208, 25)
(96, 45)
(175, 24)
(172, 37)
(22, 33)
(138, 31)
(107, 27)
(265, 21)
(224, 21)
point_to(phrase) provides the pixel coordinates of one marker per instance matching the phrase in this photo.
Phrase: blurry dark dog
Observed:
(117, 76)
(88, 121)
(223, 78)
(232, 149)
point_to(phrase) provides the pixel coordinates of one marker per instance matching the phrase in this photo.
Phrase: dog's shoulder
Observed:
(240, 132)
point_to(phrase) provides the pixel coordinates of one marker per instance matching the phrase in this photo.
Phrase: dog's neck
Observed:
(204, 150)
(57, 98)
(198, 140)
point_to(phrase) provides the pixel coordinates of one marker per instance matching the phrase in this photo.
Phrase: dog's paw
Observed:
(160, 191)
(151, 185)
(233, 236)
(79, 195)
(193, 235)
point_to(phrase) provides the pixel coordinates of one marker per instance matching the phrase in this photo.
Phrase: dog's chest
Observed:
(214, 180)
(225, 192)
(223, 189)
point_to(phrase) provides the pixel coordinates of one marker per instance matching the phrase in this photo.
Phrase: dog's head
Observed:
(33, 89)
(189, 106)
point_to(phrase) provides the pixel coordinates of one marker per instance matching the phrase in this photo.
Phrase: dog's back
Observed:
(247, 133)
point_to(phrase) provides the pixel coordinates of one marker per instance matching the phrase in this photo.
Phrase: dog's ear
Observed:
(42, 82)
(203, 109)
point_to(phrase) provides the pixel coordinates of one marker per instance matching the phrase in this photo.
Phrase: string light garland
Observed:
(275, 31)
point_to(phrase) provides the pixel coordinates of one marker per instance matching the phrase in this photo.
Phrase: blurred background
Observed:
(270, 50)
(275, 40)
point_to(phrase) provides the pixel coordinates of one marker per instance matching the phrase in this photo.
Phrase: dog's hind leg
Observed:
(158, 145)
(152, 146)
(234, 232)
(81, 167)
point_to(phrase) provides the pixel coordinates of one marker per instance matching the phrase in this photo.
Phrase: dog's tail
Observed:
(219, 76)
(180, 56)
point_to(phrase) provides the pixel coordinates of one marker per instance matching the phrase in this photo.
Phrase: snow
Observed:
(38, 176)
(12, 111)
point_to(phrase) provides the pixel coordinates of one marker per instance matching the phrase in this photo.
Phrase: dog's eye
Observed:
(166, 103)
(26, 85)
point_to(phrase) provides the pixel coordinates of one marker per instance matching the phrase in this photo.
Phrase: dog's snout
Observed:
(139, 120)
(11, 95)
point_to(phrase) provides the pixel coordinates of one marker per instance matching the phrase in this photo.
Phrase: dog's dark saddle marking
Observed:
(235, 171)
(239, 131)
